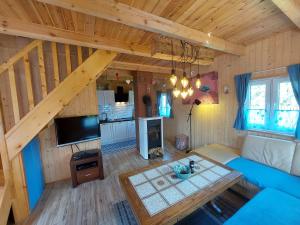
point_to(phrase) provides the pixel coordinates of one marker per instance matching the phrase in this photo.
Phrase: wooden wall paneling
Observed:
(56, 159)
(214, 123)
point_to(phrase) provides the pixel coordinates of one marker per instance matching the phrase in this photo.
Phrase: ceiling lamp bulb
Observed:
(190, 91)
(184, 81)
(198, 82)
(176, 92)
(128, 81)
(184, 94)
(173, 79)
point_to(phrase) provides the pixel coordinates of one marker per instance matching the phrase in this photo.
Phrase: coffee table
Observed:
(157, 196)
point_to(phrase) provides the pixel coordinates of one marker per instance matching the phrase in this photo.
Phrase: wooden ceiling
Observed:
(238, 21)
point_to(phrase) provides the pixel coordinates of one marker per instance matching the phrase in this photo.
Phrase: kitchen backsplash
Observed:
(118, 111)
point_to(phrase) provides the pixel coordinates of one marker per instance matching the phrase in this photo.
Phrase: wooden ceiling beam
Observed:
(291, 8)
(120, 65)
(42, 32)
(125, 14)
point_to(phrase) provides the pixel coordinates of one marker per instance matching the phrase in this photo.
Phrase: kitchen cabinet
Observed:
(117, 132)
(106, 97)
(131, 97)
(106, 132)
(131, 129)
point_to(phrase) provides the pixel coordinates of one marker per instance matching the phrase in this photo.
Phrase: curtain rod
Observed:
(268, 70)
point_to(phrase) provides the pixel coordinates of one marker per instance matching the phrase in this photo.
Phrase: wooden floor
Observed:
(90, 203)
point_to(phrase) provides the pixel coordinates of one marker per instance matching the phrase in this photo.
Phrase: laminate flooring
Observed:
(89, 203)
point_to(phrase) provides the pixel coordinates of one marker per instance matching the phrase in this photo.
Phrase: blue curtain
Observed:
(241, 87)
(294, 74)
(158, 97)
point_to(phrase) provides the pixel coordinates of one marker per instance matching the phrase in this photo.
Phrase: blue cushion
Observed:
(268, 207)
(264, 176)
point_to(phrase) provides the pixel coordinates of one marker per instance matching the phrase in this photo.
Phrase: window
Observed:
(164, 106)
(271, 106)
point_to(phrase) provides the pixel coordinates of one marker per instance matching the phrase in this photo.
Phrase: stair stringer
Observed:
(31, 124)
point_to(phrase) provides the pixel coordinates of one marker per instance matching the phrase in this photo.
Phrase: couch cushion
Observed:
(264, 176)
(219, 153)
(296, 162)
(276, 153)
(268, 207)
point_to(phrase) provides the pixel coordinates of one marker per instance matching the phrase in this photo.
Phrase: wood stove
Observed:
(151, 137)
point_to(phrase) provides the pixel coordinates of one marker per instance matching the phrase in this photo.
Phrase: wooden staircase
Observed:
(41, 79)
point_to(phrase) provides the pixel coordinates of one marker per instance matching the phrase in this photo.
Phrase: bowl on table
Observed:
(182, 172)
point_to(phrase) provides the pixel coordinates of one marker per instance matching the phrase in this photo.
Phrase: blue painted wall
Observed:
(33, 171)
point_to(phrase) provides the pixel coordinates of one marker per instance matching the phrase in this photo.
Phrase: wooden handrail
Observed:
(4, 66)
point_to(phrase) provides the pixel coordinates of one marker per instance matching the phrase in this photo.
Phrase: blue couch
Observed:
(269, 207)
(272, 168)
(266, 177)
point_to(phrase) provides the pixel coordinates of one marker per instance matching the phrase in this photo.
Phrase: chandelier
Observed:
(184, 88)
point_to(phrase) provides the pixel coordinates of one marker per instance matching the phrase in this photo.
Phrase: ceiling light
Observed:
(128, 81)
(176, 92)
(184, 94)
(173, 78)
(184, 81)
(190, 91)
(198, 82)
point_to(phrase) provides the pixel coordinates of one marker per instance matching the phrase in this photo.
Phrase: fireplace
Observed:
(151, 137)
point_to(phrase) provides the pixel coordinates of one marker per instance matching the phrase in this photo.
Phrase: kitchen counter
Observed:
(116, 120)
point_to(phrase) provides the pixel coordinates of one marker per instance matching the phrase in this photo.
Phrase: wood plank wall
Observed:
(213, 123)
(54, 159)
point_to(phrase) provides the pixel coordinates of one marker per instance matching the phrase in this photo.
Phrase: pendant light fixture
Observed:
(198, 81)
(176, 92)
(173, 78)
(190, 89)
(184, 81)
(184, 93)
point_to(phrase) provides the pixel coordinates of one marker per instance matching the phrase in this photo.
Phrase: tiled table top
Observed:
(159, 188)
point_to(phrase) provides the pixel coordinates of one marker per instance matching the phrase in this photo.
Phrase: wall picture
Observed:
(208, 92)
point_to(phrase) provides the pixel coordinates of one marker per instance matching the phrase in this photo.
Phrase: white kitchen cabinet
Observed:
(120, 131)
(117, 132)
(131, 97)
(106, 97)
(107, 136)
(131, 129)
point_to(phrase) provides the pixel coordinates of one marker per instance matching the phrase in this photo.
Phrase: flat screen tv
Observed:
(72, 130)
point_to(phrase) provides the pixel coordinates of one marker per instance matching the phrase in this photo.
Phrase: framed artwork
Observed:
(208, 92)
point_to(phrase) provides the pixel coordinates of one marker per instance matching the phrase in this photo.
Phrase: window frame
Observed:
(164, 95)
(271, 104)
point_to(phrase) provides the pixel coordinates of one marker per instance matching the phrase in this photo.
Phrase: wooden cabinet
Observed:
(86, 166)
(106, 97)
(117, 132)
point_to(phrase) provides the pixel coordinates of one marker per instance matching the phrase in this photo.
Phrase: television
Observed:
(72, 130)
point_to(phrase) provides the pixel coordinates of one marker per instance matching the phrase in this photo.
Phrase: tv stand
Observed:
(86, 166)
